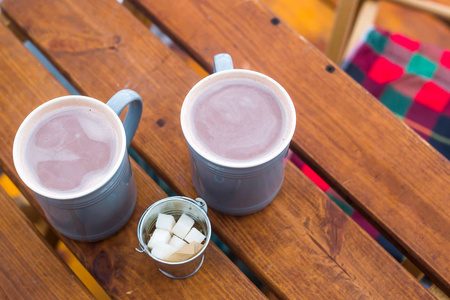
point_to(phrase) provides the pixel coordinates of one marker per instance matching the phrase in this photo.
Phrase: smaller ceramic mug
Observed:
(104, 204)
(236, 186)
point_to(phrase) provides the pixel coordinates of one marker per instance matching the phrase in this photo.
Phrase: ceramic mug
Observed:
(237, 187)
(102, 209)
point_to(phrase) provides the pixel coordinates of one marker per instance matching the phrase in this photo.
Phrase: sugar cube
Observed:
(165, 222)
(186, 252)
(195, 236)
(177, 242)
(159, 236)
(163, 251)
(183, 225)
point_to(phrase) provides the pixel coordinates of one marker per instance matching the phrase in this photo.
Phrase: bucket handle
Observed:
(140, 250)
(200, 203)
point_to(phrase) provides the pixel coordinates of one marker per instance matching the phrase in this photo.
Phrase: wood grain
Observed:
(122, 271)
(309, 248)
(29, 268)
(376, 162)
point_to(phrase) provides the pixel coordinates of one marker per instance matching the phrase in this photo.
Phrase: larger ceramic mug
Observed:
(72, 153)
(238, 125)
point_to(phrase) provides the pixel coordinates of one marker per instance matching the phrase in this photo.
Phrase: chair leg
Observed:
(365, 19)
(344, 19)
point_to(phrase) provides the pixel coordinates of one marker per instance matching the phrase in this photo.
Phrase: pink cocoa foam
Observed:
(238, 119)
(71, 149)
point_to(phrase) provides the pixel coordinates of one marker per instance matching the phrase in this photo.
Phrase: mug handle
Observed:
(118, 102)
(222, 62)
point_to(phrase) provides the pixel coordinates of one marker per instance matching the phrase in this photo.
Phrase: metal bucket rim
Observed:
(144, 247)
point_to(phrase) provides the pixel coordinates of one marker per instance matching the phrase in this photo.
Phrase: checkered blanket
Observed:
(410, 78)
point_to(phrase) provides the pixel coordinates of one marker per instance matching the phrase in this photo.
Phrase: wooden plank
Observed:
(310, 247)
(29, 268)
(122, 271)
(397, 180)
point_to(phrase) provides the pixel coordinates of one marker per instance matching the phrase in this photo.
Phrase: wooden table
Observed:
(302, 245)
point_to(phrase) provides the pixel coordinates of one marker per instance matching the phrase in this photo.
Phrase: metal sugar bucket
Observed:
(175, 206)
